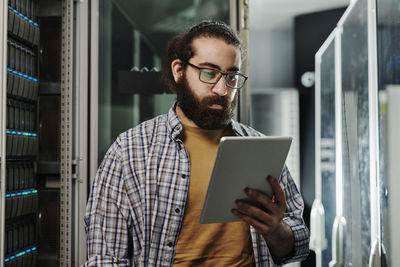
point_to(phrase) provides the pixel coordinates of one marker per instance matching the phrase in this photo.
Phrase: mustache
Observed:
(219, 100)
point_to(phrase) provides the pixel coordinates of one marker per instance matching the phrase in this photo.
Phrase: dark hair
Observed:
(180, 46)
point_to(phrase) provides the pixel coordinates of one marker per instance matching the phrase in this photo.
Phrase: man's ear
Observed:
(177, 69)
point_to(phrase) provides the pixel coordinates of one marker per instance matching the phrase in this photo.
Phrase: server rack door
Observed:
(355, 134)
(356, 230)
(324, 207)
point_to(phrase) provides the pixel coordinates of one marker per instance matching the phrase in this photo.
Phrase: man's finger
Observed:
(254, 212)
(261, 198)
(278, 192)
(258, 226)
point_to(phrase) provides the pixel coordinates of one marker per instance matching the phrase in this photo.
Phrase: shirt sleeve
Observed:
(107, 215)
(294, 218)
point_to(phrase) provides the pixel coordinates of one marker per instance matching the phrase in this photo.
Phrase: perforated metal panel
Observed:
(66, 133)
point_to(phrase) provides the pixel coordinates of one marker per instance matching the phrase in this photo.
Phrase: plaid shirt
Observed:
(135, 209)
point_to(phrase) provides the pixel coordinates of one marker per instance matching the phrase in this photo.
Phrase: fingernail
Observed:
(247, 190)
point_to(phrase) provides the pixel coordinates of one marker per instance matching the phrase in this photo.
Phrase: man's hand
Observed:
(266, 215)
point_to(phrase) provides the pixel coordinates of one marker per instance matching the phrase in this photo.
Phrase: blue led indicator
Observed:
(36, 24)
(19, 194)
(22, 15)
(34, 191)
(22, 75)
(8, 131)
(8, 195)
(13, 195)
(14, 132)
(19, 254)
(34, 135)
(19, 133)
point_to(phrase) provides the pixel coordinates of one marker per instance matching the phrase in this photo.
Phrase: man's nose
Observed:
(220, 87)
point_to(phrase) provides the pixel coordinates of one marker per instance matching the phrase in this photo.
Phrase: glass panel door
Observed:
(355, 137)
(327, 146)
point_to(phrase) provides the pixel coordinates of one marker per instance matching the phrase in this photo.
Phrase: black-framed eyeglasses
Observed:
(211, 76)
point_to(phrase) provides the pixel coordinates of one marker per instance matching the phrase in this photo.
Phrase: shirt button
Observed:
(170, 244)
(177, 210)
(183, 176)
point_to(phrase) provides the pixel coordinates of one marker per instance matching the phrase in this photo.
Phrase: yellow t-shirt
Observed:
(218, 244)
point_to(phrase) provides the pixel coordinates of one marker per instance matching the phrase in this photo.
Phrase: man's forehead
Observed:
(216, 51)
(199, 42)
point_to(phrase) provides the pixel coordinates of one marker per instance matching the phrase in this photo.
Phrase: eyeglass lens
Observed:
(232, 80)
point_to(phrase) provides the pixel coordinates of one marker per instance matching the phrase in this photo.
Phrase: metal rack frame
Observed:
(3, 96)
(81, 116)
(66, 133)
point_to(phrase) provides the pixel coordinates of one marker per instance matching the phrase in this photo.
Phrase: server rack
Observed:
(36, 165)
(21, 146)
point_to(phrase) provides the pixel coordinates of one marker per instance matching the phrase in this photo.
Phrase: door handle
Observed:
(377, 258)
(318, 241)
(339, 230)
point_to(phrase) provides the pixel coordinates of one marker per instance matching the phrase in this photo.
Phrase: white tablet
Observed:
(242, 162)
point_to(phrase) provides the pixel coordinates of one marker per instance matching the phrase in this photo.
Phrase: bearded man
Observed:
(146, 200)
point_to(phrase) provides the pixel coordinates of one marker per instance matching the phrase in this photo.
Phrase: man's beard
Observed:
(199, 111)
